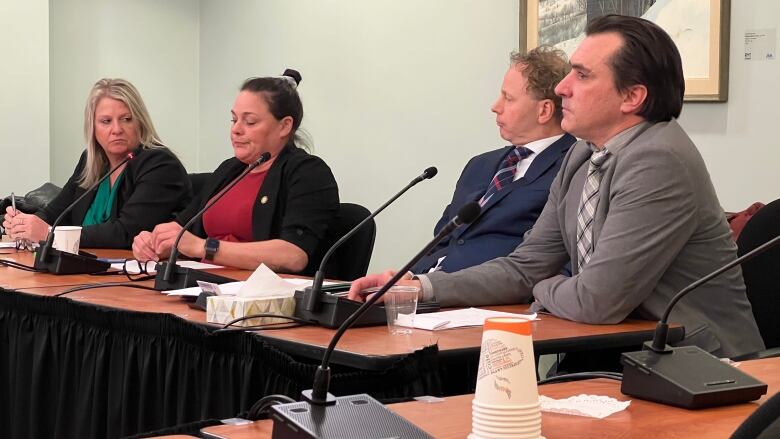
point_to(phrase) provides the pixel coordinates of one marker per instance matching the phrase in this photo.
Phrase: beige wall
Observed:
(153, 44)
(390, 87)
(24, 95)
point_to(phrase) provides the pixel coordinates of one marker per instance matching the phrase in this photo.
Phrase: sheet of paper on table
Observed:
(461, 318)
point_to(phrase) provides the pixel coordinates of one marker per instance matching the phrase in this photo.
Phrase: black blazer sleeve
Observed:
(311, 201)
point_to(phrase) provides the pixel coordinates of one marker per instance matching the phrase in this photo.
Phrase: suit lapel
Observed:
(477, 194)
(539, 166)
(546, 159)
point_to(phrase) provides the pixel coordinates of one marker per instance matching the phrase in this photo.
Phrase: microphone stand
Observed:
(310, 417)
(47, 258)
(309, 303)
(688, 376)
(173, 277)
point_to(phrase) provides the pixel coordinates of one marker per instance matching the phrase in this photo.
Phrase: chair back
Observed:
(350, 261)
(198, 181)
(761, 273)
(764, 423)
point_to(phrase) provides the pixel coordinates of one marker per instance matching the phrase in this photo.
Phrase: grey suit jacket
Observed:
(658, 227)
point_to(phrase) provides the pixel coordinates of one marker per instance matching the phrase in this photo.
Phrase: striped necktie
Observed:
(506, 172)
(588, 203)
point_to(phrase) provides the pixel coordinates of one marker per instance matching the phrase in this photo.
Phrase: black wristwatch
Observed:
(212, 245)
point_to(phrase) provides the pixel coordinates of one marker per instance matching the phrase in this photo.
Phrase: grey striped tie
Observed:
(588, 203)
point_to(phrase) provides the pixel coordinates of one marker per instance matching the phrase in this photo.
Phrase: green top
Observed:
(100, 210)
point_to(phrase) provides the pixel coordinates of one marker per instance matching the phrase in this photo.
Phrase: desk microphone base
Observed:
(183, 277)
(686, 377)
(333, 309)
(60, 262)
(352, 417)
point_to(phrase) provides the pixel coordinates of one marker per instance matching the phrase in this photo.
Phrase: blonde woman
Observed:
(145, 191)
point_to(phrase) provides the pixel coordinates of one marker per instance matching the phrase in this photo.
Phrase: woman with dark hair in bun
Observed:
(278, 213)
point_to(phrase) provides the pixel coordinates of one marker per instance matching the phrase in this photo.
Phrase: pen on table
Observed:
(13, 207)
(113, 260)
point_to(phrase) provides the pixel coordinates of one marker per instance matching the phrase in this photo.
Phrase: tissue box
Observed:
(222, 309)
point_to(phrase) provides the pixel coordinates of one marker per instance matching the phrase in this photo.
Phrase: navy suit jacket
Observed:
(505, 218)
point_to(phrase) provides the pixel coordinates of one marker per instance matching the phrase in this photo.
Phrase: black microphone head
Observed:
(264, 157)
(430, 172)
(469, 212)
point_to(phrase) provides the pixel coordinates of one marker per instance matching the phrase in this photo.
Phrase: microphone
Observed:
(309, 304)
(173, 277)
(322, 415)
(60, 262)
(688, 376)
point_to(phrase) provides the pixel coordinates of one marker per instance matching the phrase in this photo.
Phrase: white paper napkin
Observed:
(592, 406)
(265, 283)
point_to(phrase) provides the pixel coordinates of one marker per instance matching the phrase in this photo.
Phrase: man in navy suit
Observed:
(511, 183)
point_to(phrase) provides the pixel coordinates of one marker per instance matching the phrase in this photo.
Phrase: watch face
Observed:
(212, 245)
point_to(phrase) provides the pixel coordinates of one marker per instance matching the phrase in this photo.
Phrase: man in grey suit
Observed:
(633, 207)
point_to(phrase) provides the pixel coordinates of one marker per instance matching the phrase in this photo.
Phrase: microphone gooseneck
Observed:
(319, 393)
(662, 329)
(175, 249)
(312, 296)
(46, 247)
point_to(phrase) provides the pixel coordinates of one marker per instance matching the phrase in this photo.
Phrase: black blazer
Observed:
(298, 199)
(154, 187)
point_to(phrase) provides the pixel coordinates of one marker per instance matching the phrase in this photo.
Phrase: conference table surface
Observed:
(365, 347)
(451, 418)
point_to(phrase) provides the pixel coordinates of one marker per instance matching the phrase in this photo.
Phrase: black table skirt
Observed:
(71, 369)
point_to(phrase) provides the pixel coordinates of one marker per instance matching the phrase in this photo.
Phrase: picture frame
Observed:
(703, 40)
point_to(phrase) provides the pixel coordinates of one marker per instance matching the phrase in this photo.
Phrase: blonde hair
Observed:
(121, 90)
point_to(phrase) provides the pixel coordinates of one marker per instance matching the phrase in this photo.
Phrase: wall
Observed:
(737, 138)
(24, 95)
(389, 88)
(152, 44)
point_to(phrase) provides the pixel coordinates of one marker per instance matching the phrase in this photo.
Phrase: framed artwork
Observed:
(700, 28)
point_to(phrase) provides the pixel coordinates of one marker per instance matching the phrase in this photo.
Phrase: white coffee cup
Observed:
(67, 238)
(506, 378)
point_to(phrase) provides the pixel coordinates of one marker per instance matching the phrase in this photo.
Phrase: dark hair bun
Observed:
(293, 74)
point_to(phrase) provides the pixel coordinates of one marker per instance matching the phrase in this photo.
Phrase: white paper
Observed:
(228, 289)
(761, 44)
(461, 318)
(429, 322)
(591, 406)
(233, 288)
(265, 283)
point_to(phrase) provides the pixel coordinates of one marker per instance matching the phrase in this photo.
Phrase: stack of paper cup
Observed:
(506, 402)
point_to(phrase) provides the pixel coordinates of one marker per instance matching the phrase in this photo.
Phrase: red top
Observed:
(230, 218)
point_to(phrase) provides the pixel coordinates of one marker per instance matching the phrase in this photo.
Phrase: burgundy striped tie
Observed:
(506, 172)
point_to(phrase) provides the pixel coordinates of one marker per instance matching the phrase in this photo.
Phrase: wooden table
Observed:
(452, 417)
(369, 348)
(197, 389)
(372, 347)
